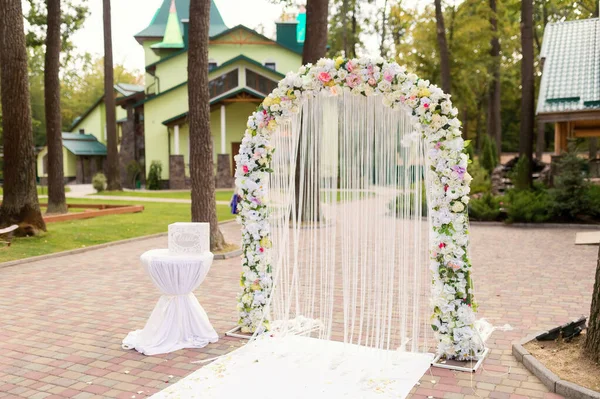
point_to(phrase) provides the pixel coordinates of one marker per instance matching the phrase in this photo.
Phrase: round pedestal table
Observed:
(178, 320)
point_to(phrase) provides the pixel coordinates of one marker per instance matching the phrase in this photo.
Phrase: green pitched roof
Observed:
(571, 73)
(83, 144)
(173, 37)
(158, 26)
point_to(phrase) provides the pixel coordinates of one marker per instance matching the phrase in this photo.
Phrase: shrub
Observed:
(518, 175)
(486, 208)
(489, 154)
(154, 177)
(570, 194)
(481, 182)
(99, 182)
(528, 206)
(133, 171)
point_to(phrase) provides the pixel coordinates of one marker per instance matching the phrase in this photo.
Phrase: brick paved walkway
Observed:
(62, 320)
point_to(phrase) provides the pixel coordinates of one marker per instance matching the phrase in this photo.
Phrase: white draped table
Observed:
(178, 321)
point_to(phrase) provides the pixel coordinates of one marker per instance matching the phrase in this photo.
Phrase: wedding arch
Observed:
(354, 185)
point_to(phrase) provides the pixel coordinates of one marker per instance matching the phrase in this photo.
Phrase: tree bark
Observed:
(113, 177)
(527, 89)
(315, 43)
(201, 146)
(20, 201)
(57, 202)
(494, 126)
(345, 27)
(593, 150)
(591, 347)
(382, 45)
(540, 144)
(443, 48)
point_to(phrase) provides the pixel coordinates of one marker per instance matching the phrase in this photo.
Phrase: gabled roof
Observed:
(227, 63)
(152, 66)
(83, 144)
(173, 37)
(156, 28)
(124, 90)
(571, 69)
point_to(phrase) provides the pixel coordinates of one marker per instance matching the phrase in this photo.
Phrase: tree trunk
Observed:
(315, 43)
(201, 146)
(57, 202)
(494, 126)
(527, 90)
(540, 144)
(382, 45)
(20, 201)
(345, 27)
(443, 48)
(354, 28)
(113, 177)
(591, 347)
(593, 150)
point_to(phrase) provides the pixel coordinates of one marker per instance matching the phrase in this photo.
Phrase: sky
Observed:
(131, 16)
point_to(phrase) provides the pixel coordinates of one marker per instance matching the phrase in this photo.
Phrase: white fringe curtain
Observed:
(350, 236)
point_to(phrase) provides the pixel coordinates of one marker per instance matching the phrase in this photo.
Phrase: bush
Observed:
(489, 154)
(528, 206)
(592, 195)
(154, 177)
(99, 182)
(518, 175)
(570, 194)
(486, 208)
(133, 171)
(481, 182)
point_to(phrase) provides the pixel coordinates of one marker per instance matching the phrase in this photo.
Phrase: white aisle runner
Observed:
(294, 367)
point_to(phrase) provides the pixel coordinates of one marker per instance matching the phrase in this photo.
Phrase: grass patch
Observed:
(41, 190)
(63, 236)
(219, 195)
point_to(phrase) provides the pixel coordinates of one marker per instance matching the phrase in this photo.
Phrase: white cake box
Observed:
(189, 237)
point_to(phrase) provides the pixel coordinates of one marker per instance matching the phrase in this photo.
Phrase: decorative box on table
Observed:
(189, 238)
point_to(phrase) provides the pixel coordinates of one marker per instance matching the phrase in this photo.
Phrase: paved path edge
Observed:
(226, 255)
(547, 377)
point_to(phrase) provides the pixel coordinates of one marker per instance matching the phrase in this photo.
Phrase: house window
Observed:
(223, 83)
(211, 65)
(259, 83)
(270, 65)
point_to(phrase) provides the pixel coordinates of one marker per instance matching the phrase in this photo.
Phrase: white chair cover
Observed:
(178, 321)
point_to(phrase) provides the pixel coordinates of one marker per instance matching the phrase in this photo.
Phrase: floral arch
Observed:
(432, 114)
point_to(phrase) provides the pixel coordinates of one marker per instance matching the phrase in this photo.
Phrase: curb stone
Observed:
(547, 377)
(75, 251)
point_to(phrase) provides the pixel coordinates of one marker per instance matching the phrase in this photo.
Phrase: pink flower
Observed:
(324, 77)
(442, 245)
(387, 75)
(245, 169)
(402, 98)
(372, 81)
(438, 145)
(261, 250)
(349, 66)
(370, 69)
(353, 80)
(426, 105)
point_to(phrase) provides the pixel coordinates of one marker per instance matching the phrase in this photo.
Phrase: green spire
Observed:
(173, 37)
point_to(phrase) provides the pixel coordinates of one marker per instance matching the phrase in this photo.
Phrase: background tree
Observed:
(494, 128)
(315, 42)
(57, 202)
(592, 340)
(443, 48)
(527, 87)
(201, 146)
(20, 201)
(113, 175)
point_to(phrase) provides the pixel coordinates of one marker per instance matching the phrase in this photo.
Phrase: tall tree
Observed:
(494, 124)
(443, 47)
(113, 176)
(201, 146)
(315, 42)
(57, 202)
(527, 88)
(20, 201)
(592, 340)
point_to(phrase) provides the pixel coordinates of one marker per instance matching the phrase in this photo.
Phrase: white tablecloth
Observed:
(178, 321)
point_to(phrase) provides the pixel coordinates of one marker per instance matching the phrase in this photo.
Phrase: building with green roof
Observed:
(569, 94)
(244, 67)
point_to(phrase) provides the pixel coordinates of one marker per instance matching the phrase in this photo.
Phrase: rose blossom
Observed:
(353, 80)
(324, 77)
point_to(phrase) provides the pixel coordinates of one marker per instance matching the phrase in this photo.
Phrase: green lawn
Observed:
(42, 190)
(63, 236)
(219, 195)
